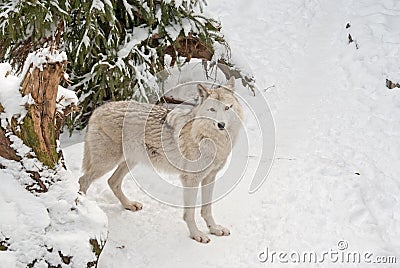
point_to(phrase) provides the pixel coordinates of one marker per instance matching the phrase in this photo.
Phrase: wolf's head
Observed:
(218, 111)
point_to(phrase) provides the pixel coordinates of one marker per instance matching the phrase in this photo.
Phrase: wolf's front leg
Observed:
(206, 195)
(190, 189)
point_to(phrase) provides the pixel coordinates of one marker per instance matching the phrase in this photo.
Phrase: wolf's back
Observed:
(114, 123)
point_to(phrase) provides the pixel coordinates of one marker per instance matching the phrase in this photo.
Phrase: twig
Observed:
(268, 88)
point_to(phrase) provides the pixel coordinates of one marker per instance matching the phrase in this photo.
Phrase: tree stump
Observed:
(38, 127)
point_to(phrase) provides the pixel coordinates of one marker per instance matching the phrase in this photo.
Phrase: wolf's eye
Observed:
(211, 109)
(228, 107)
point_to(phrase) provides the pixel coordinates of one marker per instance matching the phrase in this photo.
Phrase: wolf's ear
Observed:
(231, 83)
(202, 91)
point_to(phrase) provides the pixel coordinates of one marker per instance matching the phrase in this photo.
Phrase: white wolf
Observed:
(192, 143)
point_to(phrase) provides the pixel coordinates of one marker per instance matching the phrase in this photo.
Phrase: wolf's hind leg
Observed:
(84, 183)
(90, 175)
(189, 197)
(206, 213)
(115, 182)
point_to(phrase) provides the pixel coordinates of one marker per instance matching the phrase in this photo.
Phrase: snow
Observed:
(65, 97)
(53, 220)
(128, 8)
(335, 175)
(7, 259)
(178, 3)
(132, 40)
(187, 26)
(10, 97)
(97, 4)
(42, 56)
(173, 31)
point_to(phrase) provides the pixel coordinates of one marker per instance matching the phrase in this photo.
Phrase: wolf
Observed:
(192, 143)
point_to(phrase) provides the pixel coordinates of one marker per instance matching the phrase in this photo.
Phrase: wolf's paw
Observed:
(133, 205)
(200, 237)
(219, 230)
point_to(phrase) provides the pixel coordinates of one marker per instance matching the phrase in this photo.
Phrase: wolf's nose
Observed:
(221, 125)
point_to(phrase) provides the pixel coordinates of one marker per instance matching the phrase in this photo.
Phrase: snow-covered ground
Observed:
(335, 182)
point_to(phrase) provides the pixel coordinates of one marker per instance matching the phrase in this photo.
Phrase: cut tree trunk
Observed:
(38, 127)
